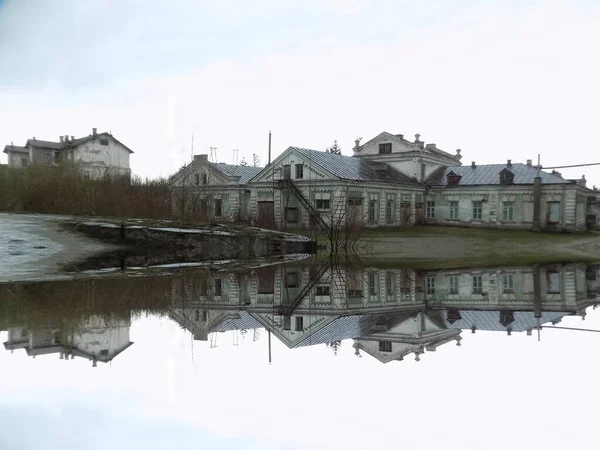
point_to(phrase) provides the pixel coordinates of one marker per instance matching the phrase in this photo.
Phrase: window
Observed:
(291, 215)
(299, 170)
(508, 211)
(390, 285)
(430, 285)
(197, 315)
(323, 291)
(477, 210)
(104, 352)
(553, 212)
(204, 178)
(322, 200)
(507, 283)
(287, 323)
(291, 280)
(454, 284)
(287, 172)
(477, 284)
(355, 201)
(204, 316)
(553, 283)
(373, 284)
(373, 210)
(430, 210)
(389, 209)
(104, 141)
(24, 162)
(452, 315)
(385, 149)
(266, 279)
(218, 287)
(385, 346)
(300, 323)
(454, 210)
(197, 179)
(56, 157)
(218, 205)
(423, 167)
(47, 158)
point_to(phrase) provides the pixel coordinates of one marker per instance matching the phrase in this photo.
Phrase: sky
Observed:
(167, 391)
(497, 79)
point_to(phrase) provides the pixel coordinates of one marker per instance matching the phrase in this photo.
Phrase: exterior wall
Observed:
(97, 159)
(42, 156)
(15, 159)
(571, 210)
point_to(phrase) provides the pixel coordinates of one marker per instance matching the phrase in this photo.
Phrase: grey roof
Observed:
(490, 320)
(45, 144)
(343, 327)
(355, 168)
(246, 173)
(490, 174)
(61, 145)
(243, 321)
(15, 148)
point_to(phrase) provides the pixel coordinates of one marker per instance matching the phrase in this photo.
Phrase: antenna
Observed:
(213, 154)
(235, 156)
(269, 160)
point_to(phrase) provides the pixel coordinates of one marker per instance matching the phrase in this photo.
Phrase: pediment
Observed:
(291, 156)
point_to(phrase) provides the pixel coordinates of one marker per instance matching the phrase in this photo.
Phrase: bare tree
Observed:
(255, 160)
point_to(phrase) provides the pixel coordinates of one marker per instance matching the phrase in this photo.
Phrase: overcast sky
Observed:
(498, 79)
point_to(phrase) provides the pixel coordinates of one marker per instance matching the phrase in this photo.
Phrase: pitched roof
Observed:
(246, 173)
(490, 320)
(490, 174)
(15, 148)
(354, 168)
(61, 145)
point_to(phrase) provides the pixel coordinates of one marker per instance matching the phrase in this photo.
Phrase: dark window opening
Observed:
(323, 203)
(287, 322)
(323, 291)
(452, 315)
(299, 323)
(266, 279)
(197, 179)
(218, 205)
(287, 172)
(291, 280)
(506, 318)
(299, 171)
(385, 148)
(291, 215)
(104, 352)
(218, 287)
(385, 346)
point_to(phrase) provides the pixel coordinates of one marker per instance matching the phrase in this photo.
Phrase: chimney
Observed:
(72, 138)
(529, 163)
(66, 138)
(94, 131)
(473, 164)
(508, 163)
(201, 158)
(62, 139)
(430, 146)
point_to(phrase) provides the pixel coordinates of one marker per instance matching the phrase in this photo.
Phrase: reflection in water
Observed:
(389, 313)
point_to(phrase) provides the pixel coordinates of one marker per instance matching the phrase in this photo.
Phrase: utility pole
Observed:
(269, 159)
(213, 155)
(235, 157)
(192, 155)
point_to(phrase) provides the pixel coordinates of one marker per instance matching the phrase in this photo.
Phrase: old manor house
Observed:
(389, 181)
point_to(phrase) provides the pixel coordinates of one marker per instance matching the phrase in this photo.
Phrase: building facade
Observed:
(96, 155)
(389, 181)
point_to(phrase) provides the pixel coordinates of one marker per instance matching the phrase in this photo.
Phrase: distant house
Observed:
(97, 155)
(389, 181)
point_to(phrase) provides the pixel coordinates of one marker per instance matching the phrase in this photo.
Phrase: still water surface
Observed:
(359, 358)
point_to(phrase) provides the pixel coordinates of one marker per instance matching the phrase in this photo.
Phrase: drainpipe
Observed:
(537, 199)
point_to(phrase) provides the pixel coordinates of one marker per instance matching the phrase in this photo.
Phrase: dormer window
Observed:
(385, 149)
(506, 177)
(452, 315)
(453, 179)
(506, 318)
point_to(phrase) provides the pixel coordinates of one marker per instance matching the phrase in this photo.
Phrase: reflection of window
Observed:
(389, 283)
(323, 291)
(218, 205)
(430, 210)
(553, 282)
(355, 286)
(204, 316)
(507, 283)
(454, 210)
(266, 279)
(389, 209)
(218, 287)
(197, 179)
(372, 284)
(47, 158)
(299, 171)
(291, 280)
(204, 178)
(477, 210)
(287, 172)
(452, 315)
(372, 209)
(385, 346)
(385, 149)
(103, 352)
(197, 315)
(508, 211)
(24, 162)
(287, 322)
(454, 284)
(56, 157)
(430, 285)
(300, 323)
(477, 284)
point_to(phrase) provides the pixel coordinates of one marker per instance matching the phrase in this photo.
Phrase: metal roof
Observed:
(490, 174)
(15, 148)
(61, 145)
(246, 173)
(355, 168)
(490, 320)
(243, 321)
(343, 327)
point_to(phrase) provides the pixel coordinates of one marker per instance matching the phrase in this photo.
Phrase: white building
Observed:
(96, 155)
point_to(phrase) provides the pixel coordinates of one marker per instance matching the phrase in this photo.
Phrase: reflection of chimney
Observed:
(62, 139)
(72, 138)
(66, 138)
(94, 131)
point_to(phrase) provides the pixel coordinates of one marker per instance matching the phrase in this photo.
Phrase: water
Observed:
(181, 359)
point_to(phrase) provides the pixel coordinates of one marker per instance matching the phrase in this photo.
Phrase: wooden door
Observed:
(266, 215)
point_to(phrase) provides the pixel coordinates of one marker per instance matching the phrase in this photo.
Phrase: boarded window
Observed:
(266, 279)
(291, 215)
(553, 212)
(287, 322)
(385, 149)
(291, 279)
(287, 172)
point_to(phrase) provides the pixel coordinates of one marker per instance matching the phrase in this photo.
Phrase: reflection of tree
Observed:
(335, 346)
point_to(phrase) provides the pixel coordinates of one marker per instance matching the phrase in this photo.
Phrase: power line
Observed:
(573, 165)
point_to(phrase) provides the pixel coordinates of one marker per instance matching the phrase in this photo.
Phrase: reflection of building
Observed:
(390, 313)
(96, 339)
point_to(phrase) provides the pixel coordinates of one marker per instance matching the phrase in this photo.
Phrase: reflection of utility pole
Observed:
(537, 297)
(213, 155)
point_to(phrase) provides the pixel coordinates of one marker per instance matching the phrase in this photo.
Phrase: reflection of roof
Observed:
(246, 173)
(15, 148)
(490, 320)
(354, 168)
(344, 327)
(490, 174)
(243, 321)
